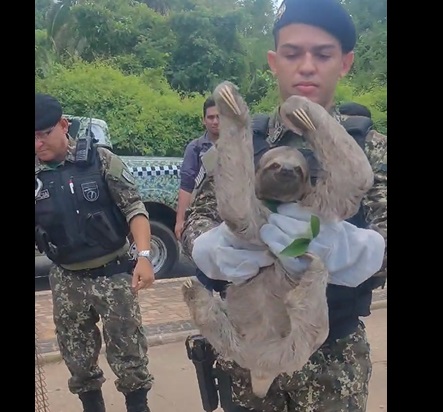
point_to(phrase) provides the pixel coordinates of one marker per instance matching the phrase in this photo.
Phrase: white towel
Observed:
(351, 255)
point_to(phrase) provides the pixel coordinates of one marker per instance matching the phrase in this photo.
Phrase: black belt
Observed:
(119, 265)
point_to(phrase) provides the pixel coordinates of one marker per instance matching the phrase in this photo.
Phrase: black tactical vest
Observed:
(75, 217)
(345, 304)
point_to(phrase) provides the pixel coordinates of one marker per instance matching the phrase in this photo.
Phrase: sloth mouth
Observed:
(287, 173)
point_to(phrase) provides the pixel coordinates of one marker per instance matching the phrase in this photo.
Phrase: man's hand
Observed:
(143, 276)
(179, 229)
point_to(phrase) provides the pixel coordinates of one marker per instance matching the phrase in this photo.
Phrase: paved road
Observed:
(176, 389)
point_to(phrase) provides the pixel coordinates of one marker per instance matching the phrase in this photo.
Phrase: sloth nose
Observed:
(287, 170)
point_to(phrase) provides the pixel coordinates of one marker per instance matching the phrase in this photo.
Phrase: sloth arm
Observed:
(375, 201)
(202, 215)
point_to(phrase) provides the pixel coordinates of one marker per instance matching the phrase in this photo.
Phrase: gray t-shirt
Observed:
(192, 161)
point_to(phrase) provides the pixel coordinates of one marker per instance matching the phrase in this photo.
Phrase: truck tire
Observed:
(164, 249)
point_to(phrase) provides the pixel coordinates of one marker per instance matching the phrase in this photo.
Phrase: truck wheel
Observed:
(164, 249)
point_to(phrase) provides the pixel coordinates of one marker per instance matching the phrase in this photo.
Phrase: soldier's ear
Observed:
(347, 62)
(64, 124)
(271, 56)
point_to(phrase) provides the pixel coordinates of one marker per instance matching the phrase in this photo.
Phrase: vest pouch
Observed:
(98, 230)
(44, 245)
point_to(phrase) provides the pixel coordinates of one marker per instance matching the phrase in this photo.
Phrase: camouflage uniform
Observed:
(79, 301)
(336, 378)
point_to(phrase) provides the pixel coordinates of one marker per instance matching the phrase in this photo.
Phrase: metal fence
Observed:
(41, 395)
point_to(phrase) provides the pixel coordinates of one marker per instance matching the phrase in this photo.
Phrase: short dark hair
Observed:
(209, 102)
(329, 15)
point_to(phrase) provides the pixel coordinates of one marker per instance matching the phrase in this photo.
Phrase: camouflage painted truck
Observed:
(158, 181)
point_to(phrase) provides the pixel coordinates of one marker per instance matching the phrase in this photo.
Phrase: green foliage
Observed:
(374, 98)
(142, 120)
(44, 56)
(208, 49)
(145, 66)
(41, 8)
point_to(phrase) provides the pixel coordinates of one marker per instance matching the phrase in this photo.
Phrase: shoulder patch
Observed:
(127, 175)
(115, 167)
(118, 170)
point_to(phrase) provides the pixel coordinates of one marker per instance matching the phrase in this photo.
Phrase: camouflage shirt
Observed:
(122, 189)
(202, 214)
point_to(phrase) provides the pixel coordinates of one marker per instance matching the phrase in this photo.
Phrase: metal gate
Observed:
(41, 396)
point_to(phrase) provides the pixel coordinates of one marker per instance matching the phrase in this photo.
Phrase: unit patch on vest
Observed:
(44, 194)
(90, 191)
(128, 176)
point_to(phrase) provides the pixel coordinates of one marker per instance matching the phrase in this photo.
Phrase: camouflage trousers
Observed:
(335, 379)
(78, 304)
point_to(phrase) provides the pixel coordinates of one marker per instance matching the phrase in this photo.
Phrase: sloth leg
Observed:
(209, 315)
(308, 313)
(261, 382)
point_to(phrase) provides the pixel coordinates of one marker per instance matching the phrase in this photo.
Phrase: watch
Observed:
(144, 253)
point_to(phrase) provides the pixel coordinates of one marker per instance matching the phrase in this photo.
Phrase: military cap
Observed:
(48, 111)
(328, 15)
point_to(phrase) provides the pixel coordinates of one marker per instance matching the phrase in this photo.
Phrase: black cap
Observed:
(48, 111)
(328, 15)
(354, 109)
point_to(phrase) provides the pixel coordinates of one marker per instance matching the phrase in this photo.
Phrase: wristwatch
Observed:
(144, 253)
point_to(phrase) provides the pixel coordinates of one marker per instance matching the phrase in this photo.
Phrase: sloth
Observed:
(274, 322)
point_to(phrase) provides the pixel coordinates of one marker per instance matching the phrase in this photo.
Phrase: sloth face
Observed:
(282, 175)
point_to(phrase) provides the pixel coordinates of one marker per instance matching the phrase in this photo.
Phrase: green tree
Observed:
(208, 49)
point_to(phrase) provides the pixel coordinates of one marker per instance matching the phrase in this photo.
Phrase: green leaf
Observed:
(297, 248)
(271, 205)
(315, 226)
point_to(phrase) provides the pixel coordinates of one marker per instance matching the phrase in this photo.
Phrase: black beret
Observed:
(48, 111)
(328, 15)
(354, 109)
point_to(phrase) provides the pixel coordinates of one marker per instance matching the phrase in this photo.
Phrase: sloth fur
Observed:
(275, 321)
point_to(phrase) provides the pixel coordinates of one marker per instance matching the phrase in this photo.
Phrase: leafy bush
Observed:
(374, 98)
(142, 120)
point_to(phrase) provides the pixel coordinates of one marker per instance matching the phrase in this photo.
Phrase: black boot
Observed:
(137, 401)
(92, 401)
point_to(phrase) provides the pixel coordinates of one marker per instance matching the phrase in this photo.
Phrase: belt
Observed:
(119, 265)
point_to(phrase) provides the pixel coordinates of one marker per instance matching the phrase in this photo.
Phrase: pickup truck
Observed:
(158, 181)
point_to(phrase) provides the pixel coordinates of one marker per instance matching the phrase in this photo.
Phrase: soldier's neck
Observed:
(212, 138)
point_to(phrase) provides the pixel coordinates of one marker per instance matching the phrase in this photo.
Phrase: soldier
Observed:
(191, 167)
(314, 42)
(86, 207)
